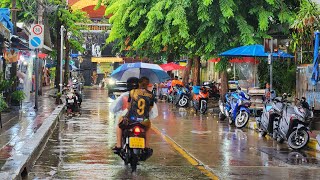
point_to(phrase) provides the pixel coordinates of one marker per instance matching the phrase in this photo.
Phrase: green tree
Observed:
(195, 28)
(307, 20)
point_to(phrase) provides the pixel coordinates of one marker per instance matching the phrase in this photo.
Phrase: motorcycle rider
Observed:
(120, 108)
(79, 96)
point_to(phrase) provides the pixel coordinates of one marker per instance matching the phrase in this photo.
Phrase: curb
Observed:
(20, 163)
(313, 143)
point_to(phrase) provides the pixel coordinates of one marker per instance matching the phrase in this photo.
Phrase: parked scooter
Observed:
(294, 124)
(271, 114)
(236, 108)
(200, 98)
(212, 89)
(164, 94)
(181, 96)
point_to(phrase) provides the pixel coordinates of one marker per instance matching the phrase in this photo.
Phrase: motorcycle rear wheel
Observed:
(298, 139)
(242, 119)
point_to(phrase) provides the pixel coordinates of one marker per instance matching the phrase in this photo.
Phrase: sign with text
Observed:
(36, 36)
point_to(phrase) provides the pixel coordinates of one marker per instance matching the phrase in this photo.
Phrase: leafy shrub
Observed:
(18, 96)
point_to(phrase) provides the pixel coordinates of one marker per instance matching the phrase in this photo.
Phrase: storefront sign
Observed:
(95, 27)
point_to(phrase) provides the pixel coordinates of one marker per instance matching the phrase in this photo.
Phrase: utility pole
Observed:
(13, 70)
(37, 74)
(14, 16)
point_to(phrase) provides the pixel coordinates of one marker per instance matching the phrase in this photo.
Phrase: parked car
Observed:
(115, 87)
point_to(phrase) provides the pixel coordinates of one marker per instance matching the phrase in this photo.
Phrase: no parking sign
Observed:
(36, 36)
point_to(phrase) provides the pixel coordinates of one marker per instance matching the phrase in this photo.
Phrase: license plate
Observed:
(70, 101)
(136, 142)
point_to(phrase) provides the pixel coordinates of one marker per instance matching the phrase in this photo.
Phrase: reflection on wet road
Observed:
(233, 153)
(80, 148)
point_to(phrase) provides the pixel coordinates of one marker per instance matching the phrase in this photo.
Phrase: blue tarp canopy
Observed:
(315, 71)
(256, 50)
(5, 18)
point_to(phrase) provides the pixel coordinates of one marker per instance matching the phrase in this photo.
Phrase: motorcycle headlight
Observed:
(112, 82)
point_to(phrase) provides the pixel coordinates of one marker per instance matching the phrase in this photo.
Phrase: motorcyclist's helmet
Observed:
(132, 83)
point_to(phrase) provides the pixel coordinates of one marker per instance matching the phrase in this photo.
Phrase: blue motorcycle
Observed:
(181, 96)
(236, 108)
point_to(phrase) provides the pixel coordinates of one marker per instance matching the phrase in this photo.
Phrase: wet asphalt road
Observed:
(80, 148)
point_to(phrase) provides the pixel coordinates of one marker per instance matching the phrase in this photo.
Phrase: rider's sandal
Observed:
(116, 150)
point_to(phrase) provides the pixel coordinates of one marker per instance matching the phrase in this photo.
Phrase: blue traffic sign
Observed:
(35, 42)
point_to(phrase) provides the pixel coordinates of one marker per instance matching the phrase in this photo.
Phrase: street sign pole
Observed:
(36, 43)
(36, 81)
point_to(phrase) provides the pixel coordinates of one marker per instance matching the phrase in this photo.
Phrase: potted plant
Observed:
(3, 106)
(58, 98)
(17, 97)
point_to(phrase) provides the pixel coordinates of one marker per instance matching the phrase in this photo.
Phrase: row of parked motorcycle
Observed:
(280, 119)
(195, 96)
(284, 121)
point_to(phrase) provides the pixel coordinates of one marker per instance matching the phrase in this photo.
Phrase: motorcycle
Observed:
(200, 98)
(181, 96)
(133, 145)
(236, 108)
(72, 104)
(294, 124)
(270, 115)
(164, 94)
(212, 89)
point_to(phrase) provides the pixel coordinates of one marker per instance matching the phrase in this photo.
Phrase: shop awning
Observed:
(106, 59)
(5, 18)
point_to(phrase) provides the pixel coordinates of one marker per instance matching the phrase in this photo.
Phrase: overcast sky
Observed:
(318, 1)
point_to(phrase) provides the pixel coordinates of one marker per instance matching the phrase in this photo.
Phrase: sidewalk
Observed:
(21, 131)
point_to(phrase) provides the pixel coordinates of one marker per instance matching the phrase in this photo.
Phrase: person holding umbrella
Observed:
(126, 104)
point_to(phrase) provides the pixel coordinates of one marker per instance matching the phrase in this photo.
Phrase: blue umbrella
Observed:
(256, 50)
(153, 71)
(315, 71)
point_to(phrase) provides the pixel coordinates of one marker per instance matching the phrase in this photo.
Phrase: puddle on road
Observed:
(292, 157)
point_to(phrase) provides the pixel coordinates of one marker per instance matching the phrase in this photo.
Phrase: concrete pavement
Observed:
(80, 148)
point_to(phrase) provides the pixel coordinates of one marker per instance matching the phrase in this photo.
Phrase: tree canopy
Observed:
(194, 27)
